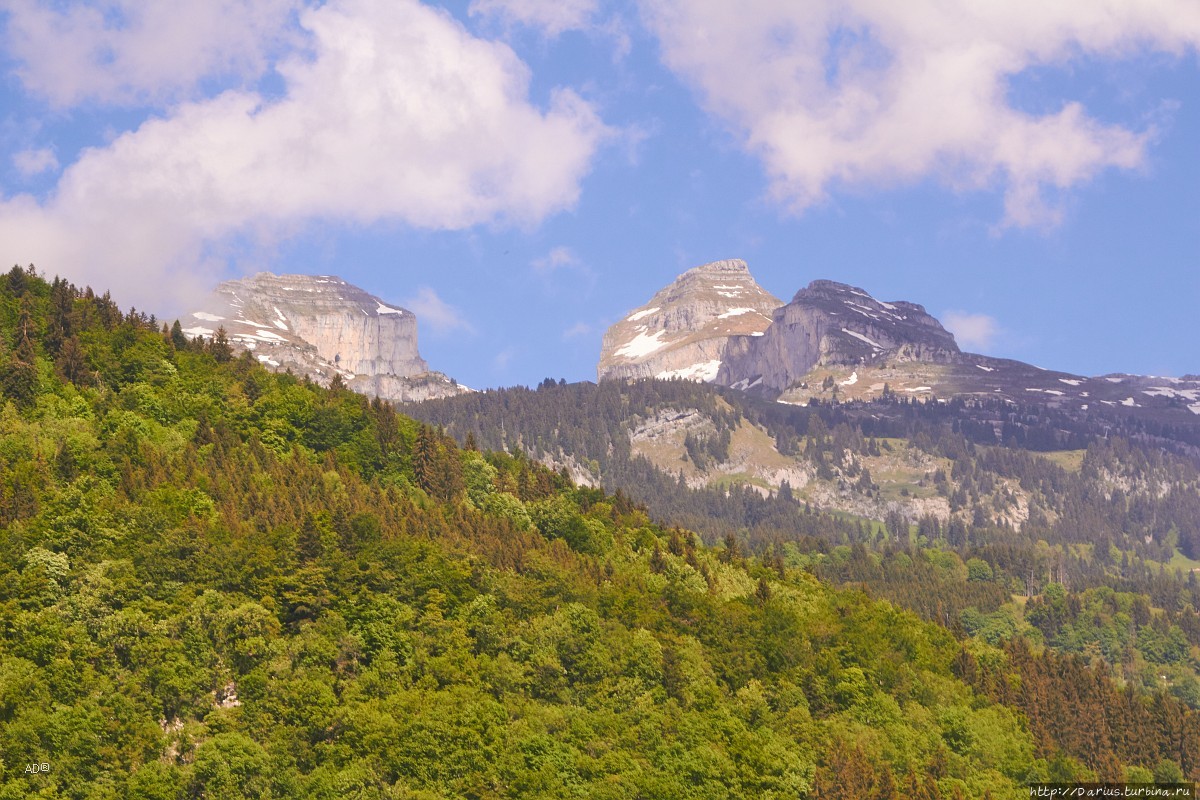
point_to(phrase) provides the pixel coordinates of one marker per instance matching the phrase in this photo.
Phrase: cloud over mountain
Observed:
(392, 111)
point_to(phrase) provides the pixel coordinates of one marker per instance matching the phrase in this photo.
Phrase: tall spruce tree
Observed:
(20, 378)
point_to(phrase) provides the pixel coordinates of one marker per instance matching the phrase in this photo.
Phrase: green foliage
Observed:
(510, 507)
(979, 570)
(220, 582)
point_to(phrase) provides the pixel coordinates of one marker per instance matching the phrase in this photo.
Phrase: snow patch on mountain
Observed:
(862, 337)
(642, 345)
(641, 314)
(705, 371)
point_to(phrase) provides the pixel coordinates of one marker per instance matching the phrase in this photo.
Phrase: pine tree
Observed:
(18, 281)
(423, 458)
(308, 542)
(658, 562)
(64, 464)
(20, 378)
(71, 364)
(220, 347)
(763, 591)
(178, 339)
(59, 326)
(732, 552)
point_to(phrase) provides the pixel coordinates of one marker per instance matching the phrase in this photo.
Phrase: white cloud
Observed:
(867, 92)
(394, 112)
(552, 17)
(577, 330)
(35, 161)
(973, 332)
(558, 257)
(435, 313)
(562, 270)
(125, 51)
(502, 360)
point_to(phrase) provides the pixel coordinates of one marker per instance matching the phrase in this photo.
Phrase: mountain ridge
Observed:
(835, 341)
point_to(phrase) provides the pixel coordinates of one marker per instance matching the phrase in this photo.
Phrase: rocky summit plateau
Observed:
(322, 326)
(686, 328)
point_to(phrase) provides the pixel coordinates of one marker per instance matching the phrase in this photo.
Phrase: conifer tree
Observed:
(177, 336)
(59, 325)
(423, 456)
(763, 591)
(733, 551)
(308, 542)
(71, 364)
(220, 347)
(20, 378)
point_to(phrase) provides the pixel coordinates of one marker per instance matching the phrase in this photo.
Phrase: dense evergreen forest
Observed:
(987, 442)
(1103, 564)
(219, 582)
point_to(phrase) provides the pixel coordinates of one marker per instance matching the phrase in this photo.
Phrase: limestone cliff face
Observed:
(685, 329)
(320, 326)
(832, 323)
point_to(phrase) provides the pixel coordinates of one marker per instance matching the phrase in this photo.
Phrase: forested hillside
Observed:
(218, 582)
(995, 520)
(981, 463)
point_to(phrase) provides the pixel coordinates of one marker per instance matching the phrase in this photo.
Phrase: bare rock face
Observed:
(321, 326)
(831, 323)
(685, 330)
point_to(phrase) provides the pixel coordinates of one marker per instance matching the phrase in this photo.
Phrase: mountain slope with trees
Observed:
(996, 520)
(220, 582)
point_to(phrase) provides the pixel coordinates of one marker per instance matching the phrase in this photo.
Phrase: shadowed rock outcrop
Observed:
(833, 323)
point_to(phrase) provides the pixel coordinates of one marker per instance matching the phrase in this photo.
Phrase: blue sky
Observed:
(521, 173)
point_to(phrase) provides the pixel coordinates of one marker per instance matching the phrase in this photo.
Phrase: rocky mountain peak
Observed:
(830, 323)
(706, 276)
(685, 328)
(321, 326)
(832, 294)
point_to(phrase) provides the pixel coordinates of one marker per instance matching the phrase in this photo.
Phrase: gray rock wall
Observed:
(320, 326)
(832, 323)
